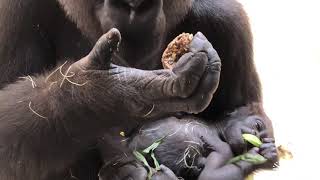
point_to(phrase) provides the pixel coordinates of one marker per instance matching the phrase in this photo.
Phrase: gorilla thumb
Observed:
(100, 55)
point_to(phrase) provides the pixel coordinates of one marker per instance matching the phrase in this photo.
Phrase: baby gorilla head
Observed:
(183, 149)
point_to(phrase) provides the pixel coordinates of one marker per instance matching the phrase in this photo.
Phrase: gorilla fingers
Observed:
(188, 87)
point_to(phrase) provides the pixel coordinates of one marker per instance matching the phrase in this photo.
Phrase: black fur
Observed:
(48, 121)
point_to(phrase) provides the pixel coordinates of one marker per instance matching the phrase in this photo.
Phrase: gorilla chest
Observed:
(146, 62)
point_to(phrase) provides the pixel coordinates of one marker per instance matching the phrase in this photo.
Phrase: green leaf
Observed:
(141, 158)
(149, 150)
(235, 159)
(155, 161)
(153, 146)
(252, 139)
(255, 159)
(150, 173)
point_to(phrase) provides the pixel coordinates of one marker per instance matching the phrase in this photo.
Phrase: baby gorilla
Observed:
(191, 149)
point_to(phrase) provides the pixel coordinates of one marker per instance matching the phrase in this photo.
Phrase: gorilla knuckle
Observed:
(197, 62)
(214, 66)
(200, 35)
(182, 87)
(201, 55)
(185, 81)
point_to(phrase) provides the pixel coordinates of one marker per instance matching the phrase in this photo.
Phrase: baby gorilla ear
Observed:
(100, 56)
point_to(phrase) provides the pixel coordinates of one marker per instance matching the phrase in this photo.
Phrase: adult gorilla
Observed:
(69, 94)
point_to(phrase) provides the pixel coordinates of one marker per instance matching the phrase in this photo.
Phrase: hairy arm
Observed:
(36, 138)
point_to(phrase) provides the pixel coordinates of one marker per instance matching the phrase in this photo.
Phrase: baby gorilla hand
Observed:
(188, 87)
(267, 150)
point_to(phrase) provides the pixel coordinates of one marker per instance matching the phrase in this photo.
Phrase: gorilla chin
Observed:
(134, 19)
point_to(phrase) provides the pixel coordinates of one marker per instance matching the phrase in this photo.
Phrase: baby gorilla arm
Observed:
(218, 168)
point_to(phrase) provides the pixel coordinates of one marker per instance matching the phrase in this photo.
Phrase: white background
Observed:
(287, 56)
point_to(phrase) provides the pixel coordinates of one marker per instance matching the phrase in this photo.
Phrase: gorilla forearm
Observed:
(45, 127)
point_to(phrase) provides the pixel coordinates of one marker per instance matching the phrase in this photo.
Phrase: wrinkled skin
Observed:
(188, 87)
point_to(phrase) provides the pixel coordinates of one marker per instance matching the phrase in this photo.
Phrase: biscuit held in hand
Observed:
(176, 48)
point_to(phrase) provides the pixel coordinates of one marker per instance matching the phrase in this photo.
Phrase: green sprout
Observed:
(149, 150)
(252, 139)
(153, 146)
(255, 159)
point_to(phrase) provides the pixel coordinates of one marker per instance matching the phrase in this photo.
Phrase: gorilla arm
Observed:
(49, 119)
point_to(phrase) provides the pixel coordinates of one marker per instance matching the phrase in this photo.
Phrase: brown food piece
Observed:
(176, 48)
(284, 152)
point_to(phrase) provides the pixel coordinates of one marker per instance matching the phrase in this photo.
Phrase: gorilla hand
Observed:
(188, 87)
